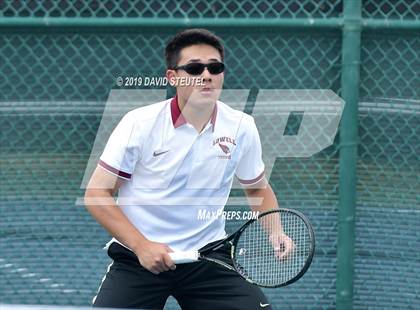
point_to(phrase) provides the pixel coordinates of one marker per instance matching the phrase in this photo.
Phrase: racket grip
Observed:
(183, 257)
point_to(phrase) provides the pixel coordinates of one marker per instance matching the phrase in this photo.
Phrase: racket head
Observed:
(253, 254)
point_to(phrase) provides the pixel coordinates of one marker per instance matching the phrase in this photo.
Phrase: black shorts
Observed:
(199, 285)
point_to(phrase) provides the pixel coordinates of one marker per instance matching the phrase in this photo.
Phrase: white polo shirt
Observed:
(172, 171)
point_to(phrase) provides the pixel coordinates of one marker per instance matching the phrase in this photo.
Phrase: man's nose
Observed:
(206, 75)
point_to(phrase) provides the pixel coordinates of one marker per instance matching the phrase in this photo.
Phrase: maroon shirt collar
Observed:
(178, 119)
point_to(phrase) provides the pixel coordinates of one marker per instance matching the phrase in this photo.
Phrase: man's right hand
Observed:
(154, 257)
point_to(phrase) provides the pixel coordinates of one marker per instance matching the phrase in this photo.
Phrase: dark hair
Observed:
(187, 38)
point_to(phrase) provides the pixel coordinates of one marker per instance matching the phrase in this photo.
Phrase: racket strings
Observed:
(260, 248)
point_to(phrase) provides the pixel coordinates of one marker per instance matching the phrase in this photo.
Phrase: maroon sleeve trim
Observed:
(117, 172)
(255, 180)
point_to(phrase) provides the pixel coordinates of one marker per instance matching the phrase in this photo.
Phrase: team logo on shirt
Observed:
(224, 148)
(223, 142)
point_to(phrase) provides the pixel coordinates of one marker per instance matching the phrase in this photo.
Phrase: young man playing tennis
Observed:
(168, 161)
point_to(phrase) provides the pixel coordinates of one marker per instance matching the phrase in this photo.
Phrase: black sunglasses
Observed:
(196, 68)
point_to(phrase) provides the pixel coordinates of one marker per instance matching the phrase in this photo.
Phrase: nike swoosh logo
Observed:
(157, 153)
(264, 305)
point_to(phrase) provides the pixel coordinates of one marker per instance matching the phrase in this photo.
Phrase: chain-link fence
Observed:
(55, 82)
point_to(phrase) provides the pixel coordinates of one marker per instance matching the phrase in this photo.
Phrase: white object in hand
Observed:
(183, 257)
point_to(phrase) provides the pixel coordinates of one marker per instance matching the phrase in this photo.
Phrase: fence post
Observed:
(348, 152)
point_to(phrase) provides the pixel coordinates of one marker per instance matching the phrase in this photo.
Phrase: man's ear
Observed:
(171, 76)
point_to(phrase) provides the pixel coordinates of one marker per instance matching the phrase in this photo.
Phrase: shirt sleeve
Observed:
(250, 169)
(122, 149)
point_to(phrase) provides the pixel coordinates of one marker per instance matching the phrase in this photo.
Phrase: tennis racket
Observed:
(273, 250)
